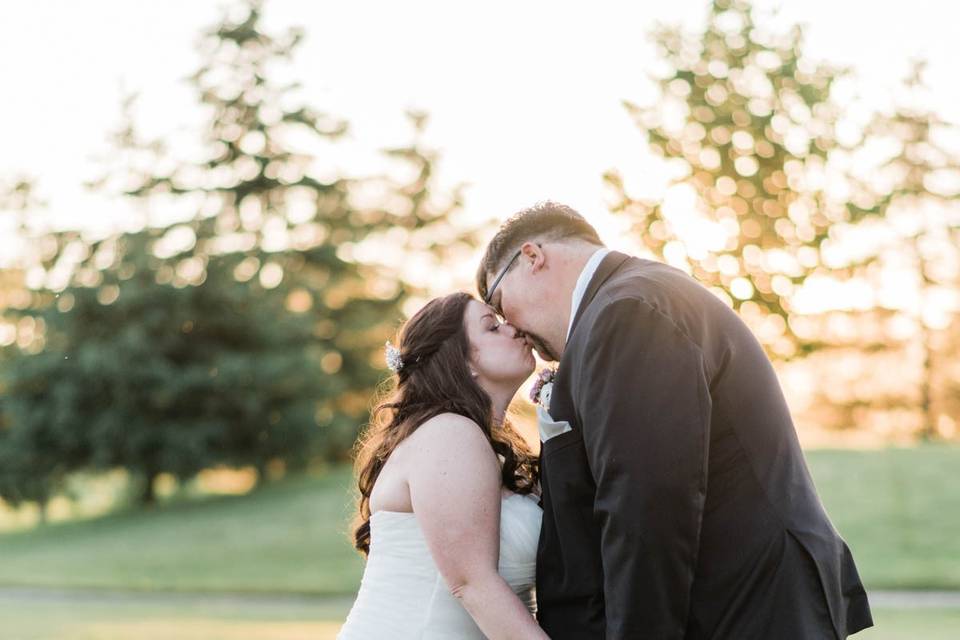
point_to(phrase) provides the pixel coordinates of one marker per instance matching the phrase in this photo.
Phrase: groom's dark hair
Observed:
(543, 221)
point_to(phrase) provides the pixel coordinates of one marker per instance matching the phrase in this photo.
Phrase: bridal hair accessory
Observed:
(394, 361)
(546, 377)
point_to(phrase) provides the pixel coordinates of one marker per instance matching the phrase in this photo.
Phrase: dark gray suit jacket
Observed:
(680, 505)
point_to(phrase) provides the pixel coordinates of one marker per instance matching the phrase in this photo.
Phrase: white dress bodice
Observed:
(402, 594)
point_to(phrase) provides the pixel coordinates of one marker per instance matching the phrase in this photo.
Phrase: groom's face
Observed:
(518, 298)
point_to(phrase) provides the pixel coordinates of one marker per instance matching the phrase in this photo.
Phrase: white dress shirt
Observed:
(583, 282)
(546, 425)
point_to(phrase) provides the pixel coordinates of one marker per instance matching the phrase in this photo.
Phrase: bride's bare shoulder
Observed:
(451, 427)
(450, 433)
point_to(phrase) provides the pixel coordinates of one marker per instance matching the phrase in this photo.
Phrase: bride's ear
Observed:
(470, 366)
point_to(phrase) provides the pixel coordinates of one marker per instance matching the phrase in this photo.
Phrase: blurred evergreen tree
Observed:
(39, 442)
(916, 188)
(242, 331)
(37, 450)
(748, 122)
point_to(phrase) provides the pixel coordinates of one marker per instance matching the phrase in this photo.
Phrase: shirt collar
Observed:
(586, 275)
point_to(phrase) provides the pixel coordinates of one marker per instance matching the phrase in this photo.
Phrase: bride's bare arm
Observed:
(455, 491)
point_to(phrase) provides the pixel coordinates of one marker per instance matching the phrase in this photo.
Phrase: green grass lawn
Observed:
(303, 621)
(144, 620)
(899, 509)
(289, 537)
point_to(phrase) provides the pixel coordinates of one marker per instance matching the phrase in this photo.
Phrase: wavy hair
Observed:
(434, 379)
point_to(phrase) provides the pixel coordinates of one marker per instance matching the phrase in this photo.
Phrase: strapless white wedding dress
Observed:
(402, 594)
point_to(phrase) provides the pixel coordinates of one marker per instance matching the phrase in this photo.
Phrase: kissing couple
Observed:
(670, 497)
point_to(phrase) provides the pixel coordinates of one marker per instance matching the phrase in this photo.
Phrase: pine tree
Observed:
(916, 188)
(748, 121)
(236, 326)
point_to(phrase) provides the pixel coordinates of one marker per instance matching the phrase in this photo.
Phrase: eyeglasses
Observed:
(496, 282)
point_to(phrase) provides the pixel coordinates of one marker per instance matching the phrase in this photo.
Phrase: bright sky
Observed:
(524, 97)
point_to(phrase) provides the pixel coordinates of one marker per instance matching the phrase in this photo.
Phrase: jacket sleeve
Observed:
(646, 422)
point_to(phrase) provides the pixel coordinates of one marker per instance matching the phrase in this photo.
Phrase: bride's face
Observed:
(500, 355)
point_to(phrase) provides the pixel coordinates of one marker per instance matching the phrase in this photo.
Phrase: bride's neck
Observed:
(500, 400)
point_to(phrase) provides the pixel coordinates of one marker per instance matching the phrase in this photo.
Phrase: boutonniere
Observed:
(542, 387)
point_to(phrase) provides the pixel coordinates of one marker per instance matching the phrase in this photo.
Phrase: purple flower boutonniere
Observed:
(545, 378)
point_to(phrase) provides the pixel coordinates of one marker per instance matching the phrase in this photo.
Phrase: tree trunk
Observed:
(261, 466)
(148, 496)
(928, 429)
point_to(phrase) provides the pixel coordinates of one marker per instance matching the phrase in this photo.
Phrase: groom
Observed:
(677, 504)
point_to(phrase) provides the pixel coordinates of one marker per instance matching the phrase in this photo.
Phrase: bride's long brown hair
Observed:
(435, 378)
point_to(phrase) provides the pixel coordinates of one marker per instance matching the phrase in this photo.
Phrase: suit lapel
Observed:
(608, 266)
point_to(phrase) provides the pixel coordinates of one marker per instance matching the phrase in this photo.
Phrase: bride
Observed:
(448, 516)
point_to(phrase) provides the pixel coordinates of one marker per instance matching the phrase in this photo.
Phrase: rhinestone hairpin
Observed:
(394, 361)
